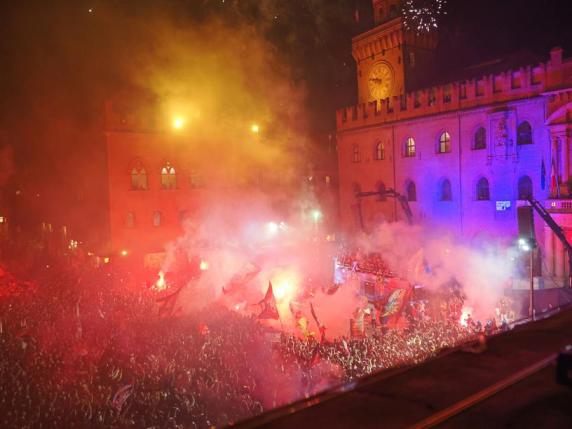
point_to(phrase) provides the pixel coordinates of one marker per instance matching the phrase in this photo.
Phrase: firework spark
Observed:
(423, 15)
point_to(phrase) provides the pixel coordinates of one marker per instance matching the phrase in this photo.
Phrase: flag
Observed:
(242, 278)
(168, 302)
(121, 396)
(554, 191)
(393, 303)
(316, 357)
(542, 175)
(302, 325)
(268, 304)
(346, 348)
(393, 309)
(321, 328)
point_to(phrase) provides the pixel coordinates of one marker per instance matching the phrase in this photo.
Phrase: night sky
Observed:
(60, 61)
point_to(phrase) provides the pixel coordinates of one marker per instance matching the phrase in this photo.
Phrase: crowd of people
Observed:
(371, 263)
(81, 347)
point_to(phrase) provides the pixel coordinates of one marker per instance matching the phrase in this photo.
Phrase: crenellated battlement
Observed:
(524, 82)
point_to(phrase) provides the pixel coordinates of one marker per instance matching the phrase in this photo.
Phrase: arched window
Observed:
(480, 139)
(446, 193)
(356, 154)
(410, 148)
(379, 152)
(157, 218)
(524, 188)
(130, 220)
(524, 133)
(168, 177)
(483, 192)
(444, 143)
(411, 191)
(138, 177)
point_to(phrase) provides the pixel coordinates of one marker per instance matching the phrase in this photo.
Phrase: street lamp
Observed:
(529, 245)
(255, 128)
(178, 123)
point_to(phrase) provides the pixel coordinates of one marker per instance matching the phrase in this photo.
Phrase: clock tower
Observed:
(390, 58)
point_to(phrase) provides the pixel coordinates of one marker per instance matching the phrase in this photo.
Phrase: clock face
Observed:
(380, 81)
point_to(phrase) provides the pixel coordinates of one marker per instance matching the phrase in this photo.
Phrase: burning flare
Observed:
(160, 284)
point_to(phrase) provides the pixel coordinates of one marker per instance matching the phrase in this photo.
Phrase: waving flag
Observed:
(269, 309)
(321, 327)
(393, 309)
(121, 396)
(393, 303)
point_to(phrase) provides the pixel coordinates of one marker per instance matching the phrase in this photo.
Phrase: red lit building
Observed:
(160, 177)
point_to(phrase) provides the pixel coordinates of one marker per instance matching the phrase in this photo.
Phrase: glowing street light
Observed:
(178, 123)
(272, 227)
(255, 128)
(316, 215)
(124, 252)
(523, 245)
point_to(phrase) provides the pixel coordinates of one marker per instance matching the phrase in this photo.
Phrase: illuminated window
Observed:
(444, 143)
(411, 192)
(480, 140)
(524, 134)
(138, 177)
(483, 193)
(356, 154)
(379, 151)
(168, 177)
(446, 193)
(524, 188)
(130, 220)
(410, 148)
(328, 180)
(157, 218)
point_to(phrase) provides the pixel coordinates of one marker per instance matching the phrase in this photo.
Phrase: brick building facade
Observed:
(464, 153)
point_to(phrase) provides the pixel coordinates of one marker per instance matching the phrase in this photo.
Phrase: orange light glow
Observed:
(255, 128)
(124, 252)
(285, 287)
(178, 123)
(204, 265)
